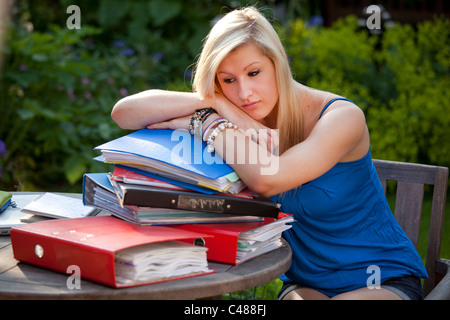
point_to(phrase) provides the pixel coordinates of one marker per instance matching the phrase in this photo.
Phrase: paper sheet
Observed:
(58, 206)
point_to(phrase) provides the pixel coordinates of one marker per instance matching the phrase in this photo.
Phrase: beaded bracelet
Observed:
(212, 127)
(195, 120)
(219, 128)
(198, 117)
(213, 120)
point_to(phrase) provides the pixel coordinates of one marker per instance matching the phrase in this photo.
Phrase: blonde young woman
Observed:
(345, 242)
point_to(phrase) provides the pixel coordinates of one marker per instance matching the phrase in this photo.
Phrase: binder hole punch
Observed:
(39, 251)
(199, 242)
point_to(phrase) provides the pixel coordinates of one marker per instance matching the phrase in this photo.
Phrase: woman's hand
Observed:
(174, 124)
(234, 114)
(258, 132)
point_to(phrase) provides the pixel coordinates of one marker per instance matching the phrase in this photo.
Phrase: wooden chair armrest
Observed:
(442, 290)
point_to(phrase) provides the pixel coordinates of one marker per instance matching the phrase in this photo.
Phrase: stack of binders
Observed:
(165, 177)
(111, 251)
(162, 174)
(172, 213)
(174, 156)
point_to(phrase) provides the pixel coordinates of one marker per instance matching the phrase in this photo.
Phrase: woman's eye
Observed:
(230, 80)
(254, 73)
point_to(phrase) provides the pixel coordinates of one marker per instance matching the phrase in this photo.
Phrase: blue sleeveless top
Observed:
(343, 225)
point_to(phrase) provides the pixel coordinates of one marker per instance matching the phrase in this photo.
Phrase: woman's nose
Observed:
(245, 90)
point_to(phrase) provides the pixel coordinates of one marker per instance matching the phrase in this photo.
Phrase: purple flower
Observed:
(157, 56)
(71, 95)
(110, 80)
(119, 44)
(127, 52)
(85, 81)
(315, 21)
(123, 92)
(88, 95)
(23, 67)
(2, 148)
(2, 154)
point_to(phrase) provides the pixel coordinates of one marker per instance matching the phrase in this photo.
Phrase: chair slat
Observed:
(408, 208)
(411, 178)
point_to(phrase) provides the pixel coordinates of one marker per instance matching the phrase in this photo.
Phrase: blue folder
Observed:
(177, 149)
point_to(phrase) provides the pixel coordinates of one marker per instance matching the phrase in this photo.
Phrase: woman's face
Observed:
(247, 78)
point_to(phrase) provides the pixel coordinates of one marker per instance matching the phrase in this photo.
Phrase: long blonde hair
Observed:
(241, 27)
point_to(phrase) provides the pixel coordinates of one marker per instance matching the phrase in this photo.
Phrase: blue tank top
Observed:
(343, 225)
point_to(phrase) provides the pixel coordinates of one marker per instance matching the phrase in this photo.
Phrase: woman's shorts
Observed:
(407, 288)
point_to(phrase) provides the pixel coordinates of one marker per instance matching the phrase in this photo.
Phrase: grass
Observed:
(270, 290)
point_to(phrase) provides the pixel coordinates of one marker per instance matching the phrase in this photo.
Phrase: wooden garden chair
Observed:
(411, 180)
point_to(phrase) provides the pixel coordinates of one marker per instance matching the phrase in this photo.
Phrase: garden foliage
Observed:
(58, 86)
(399, 78)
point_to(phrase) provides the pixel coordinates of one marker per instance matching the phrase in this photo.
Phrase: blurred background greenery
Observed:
(58, 85)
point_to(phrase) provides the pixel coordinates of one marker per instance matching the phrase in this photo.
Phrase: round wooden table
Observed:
(22, 281)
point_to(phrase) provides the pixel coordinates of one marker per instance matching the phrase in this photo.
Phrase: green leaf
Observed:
(162, 11)
(74, 168)
(112, 11)
(23, 79)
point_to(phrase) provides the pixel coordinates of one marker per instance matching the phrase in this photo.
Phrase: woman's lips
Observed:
(251, 106)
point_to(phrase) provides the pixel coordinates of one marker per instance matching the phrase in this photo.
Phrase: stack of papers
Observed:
(263, 239)
(58, 206)
(156, 262)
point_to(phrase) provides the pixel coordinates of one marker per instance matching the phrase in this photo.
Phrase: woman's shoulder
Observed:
(318, 99)
(326, 102)
(318, 104)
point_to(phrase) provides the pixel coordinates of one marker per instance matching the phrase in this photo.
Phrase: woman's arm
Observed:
(172, 119)
(341, 135)
(172, 109)
(154, 106)
(176, 120)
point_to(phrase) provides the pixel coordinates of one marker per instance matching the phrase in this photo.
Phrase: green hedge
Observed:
(401, 79)
(58, 86)
(57, 93)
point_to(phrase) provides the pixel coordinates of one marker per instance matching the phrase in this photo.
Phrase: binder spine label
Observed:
(200, 203)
